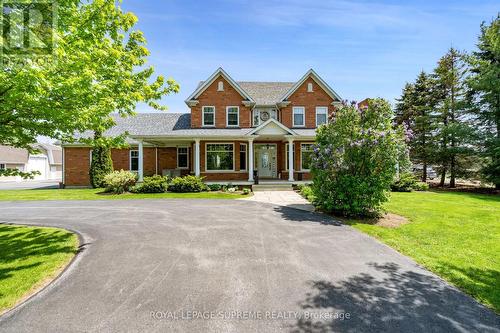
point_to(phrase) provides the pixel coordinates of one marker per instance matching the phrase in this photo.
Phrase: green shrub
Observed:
(153, 184)
(307, 192)
(119, 181)
(215, 187)
(407, 182)
(246, 191)
(187, 184)
(354, 159)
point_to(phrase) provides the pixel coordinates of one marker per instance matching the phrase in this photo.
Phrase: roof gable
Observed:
(219, 72)
(311, 73)
(272, 127)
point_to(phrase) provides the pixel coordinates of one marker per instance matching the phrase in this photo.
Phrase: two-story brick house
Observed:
(233, 129)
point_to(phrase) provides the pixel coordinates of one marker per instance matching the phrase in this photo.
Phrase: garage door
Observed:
(38, 163)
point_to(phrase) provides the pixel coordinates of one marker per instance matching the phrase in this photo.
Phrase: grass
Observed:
(29, 258)
(96, 194)
(456, 235)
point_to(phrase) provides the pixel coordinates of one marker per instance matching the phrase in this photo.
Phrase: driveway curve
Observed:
(230, 266)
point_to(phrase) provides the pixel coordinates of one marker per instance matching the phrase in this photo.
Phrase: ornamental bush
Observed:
(355, 159)
(407, 182)
(119, 181)
(153, 184)
(187, 184)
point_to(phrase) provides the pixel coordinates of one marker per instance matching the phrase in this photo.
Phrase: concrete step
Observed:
(272, 187)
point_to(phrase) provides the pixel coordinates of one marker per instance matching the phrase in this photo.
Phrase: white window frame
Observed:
(246, 156)
(187, 157)
(321, 109)
(227, 116)
(299, 110)
(130, 160)
(286, 155)
(206, 154)
(203, 115)
(301, 151)
(309, 87)
(220, 86)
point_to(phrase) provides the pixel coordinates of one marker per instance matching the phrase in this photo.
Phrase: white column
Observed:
(250, 160)
(197, 157)
(290, 160)
(141, 161)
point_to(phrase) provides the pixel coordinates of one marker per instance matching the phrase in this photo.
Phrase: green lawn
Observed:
(455, 235)
(96, 194)
(29, 258)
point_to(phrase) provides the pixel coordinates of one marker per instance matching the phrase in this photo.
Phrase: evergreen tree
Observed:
(101, 163)
(484, 85)
(415, 110)
(454, 131)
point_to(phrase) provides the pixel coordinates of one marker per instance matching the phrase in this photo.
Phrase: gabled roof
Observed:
(311, 73)
(13, 155)
(219, 72)
(266, 93)
(272, 124)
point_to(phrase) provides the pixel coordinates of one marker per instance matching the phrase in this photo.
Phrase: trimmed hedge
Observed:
(187, 184)
(153, 184)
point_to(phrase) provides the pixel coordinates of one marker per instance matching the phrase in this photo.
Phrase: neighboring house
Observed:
(233, 129)
(47, 161)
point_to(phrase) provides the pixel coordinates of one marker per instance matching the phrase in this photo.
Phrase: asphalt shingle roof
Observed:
(266, 93)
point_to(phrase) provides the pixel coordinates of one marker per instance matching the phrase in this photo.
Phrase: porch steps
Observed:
(272, 187)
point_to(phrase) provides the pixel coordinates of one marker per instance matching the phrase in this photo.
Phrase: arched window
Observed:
(309, 87)
(220, 86)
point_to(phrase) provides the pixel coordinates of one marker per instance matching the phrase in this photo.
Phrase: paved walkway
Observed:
(282, 198)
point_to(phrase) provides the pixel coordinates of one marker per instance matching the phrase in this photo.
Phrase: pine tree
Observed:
(415, 110)
(454, 132)
(484, 91)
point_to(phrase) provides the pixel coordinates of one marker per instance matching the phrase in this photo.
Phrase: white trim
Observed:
(287, 156)
(303, 109)
(250, 161)
(310, 87)
(187, 157)
(130, 159)
(197, 169)
(326, 114)
(318, 80)
(203, 115)
(227, 116)
(211, 79)
(274, 172)
(301, 150)
(246, 157)
(206, 152)
(272, 120)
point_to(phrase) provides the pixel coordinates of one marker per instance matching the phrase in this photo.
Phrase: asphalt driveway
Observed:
(230, 266)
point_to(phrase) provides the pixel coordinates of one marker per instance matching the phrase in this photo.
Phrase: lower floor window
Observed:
(2, 166)
(134, 160)
(182, 157)
(220, 157)
(243, 156)
(306, 151)
(287, 154)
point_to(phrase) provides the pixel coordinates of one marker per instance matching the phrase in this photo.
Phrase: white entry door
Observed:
(265, 160)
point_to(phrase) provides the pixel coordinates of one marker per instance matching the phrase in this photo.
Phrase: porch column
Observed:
(197, 157)
(140, 170)
(250, 160)
(290, 160)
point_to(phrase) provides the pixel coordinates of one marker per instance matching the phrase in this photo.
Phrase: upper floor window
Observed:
(220, 86)
(232, 116)
(309, 87)
(261, 116)
(321, 115)
(134, 160)
(299, 116)
(182, 157)
(208, 116)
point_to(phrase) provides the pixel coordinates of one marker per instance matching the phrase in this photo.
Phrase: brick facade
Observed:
(309, 100)
(220, 100)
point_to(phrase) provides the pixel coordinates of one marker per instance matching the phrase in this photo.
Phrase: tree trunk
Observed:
(452, 172)
(443, 176)
(424, 172)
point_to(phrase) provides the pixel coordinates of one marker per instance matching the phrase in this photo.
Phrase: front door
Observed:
(265, 160)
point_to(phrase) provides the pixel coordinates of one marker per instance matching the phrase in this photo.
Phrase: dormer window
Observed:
(262, 115)
(309, 87)
(220, 86)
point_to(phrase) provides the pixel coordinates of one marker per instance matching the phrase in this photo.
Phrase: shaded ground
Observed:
(156, 265)
(29, 184)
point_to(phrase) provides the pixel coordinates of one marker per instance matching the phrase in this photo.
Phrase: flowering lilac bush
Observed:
(355, 159)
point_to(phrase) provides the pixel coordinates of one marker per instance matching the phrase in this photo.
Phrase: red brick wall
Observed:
(296, 162)
(309, 100)
(76, 166)
(121, 159)
(220, 99)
